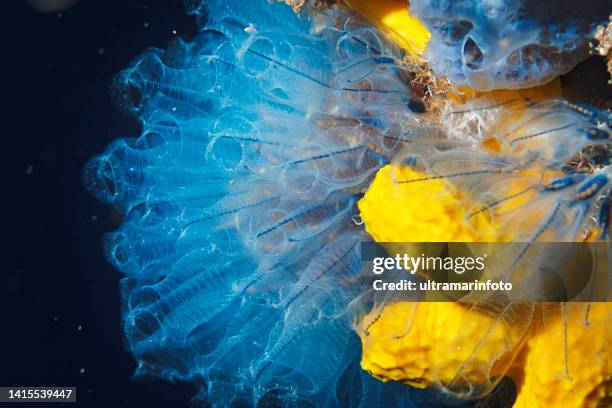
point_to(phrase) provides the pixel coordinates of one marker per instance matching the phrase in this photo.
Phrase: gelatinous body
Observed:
(238, 245)
(497, 44)
(558, 150)
(549, 176)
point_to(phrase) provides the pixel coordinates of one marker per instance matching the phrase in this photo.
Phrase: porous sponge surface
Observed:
(421, 344)
(397, 209)
(558, 355)
(578, 374)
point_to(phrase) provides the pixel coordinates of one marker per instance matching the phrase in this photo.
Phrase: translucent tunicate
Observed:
(507, 44)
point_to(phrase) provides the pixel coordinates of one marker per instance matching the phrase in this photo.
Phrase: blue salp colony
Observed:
(501, 44)
(238, 245)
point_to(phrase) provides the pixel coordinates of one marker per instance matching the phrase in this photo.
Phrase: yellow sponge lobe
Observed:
(421, 344)
(568, 360)
(395, 19)
(399, 208)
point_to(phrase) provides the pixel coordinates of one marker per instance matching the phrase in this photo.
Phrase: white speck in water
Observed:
(146, 24)
(101, 51)
(82, 371)
(250, 29)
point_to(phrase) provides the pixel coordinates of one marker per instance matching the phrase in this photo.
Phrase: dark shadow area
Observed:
(61, 320)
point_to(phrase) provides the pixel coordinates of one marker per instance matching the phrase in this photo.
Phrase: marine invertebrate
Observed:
(539, 174)
(550, 159)
(561, 359)
(567, 361)
(240, 242)
(392, 15)
(400, 26)
(437, 343)
(504, 43)
(238, 246)
(428, 212)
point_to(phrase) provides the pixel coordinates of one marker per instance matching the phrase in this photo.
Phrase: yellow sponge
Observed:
(421, 344)
(576, 374)
(444, 344)
(395, 210)
(557, 358)
(394, 18)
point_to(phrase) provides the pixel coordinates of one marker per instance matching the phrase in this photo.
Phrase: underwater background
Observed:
(60, 298)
